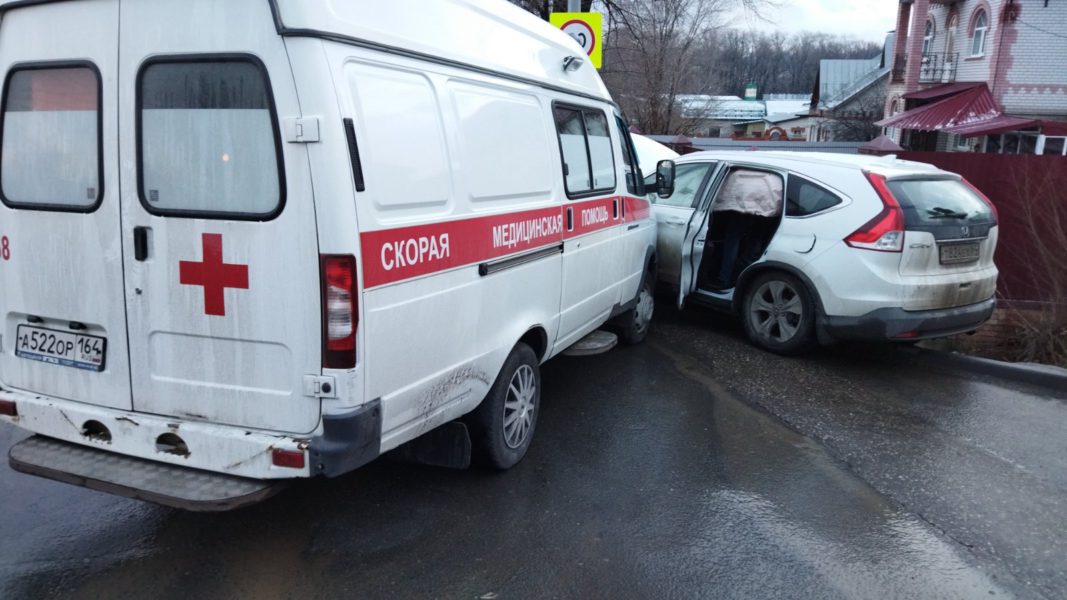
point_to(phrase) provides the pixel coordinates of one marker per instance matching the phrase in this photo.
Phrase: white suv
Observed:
(865, 248)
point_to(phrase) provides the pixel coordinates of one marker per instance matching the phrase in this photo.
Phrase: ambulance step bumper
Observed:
(161, 483)
(598, 342)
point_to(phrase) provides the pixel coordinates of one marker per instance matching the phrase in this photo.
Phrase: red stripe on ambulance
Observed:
(392, 255)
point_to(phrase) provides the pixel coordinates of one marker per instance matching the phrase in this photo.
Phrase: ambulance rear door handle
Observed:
(634, 226)
(140, 243)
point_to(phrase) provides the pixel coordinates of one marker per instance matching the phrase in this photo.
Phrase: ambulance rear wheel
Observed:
(503, 424)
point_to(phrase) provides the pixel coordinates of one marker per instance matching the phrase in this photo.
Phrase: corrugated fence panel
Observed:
(1030, 193)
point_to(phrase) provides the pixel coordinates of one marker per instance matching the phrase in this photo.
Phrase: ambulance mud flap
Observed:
(162, 483)
(448, 446)
(348, 440)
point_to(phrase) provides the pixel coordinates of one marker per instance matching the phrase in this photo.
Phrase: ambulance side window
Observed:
(207, 137)
(634, 181)
(585, 145)
(50, 157)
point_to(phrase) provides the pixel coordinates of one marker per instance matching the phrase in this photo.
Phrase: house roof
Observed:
(881, 143)
(723, 108)
(792, 104)
(857, 88)
(972, 106)
(940, 91)
(784, 117)
(837, 76)
(998, 124)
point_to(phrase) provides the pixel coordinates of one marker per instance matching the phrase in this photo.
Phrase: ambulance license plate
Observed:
(61, 347)
(959, 253)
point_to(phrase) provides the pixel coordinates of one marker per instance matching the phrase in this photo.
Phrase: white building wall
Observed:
(1030, 53)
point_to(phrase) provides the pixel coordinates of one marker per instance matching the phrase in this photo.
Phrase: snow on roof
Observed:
(722, 108)
(791, 106)
(488, 34)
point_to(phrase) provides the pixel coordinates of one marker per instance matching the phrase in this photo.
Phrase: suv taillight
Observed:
(992, 207)
(340, 311)
(885, 232)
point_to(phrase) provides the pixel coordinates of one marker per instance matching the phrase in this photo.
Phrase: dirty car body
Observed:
(225, 264)
(856, 247)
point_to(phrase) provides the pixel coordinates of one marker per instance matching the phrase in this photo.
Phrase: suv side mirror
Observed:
(665, 178)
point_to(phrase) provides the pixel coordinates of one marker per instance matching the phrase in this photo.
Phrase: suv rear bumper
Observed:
(904, 325)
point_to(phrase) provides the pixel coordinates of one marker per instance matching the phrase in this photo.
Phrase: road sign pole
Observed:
(574, 5)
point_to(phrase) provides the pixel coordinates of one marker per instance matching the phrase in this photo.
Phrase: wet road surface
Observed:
(691, 466)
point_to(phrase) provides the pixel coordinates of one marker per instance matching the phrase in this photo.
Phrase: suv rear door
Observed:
(222, 264)
(61, 281)
(950, 230)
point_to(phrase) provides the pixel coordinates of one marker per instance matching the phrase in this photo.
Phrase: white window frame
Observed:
(928, 37)
(1043, 139)
(981, 28)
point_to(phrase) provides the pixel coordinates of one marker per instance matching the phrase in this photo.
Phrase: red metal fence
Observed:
(1030, 193)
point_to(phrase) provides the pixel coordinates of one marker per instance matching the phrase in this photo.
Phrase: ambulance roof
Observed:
(487, 35)
(492, 36)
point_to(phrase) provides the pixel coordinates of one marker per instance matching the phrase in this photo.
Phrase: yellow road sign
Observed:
(586, 29)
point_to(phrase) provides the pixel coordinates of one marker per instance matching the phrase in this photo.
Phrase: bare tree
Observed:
(650, 57)
(854, 121)
(543, 8)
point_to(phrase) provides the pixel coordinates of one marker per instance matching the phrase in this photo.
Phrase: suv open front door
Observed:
(61, 283)
(696, 232)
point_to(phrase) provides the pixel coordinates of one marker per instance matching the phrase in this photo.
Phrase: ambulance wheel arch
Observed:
(503, 425)
(633, 323)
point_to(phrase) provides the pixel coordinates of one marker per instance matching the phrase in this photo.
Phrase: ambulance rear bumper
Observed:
(169, 485)
(223, 449)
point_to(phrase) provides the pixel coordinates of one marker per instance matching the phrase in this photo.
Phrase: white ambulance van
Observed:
(252, 241)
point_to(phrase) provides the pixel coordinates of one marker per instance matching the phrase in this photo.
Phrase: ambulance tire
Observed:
(503, 424)
(633, 325)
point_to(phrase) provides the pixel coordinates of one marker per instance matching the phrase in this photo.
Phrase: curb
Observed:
(1032, 373)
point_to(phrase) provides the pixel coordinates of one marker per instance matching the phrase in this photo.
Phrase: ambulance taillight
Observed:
(340, 314)
(8, 408)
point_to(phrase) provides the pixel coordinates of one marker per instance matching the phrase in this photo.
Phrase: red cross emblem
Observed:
(213, 274)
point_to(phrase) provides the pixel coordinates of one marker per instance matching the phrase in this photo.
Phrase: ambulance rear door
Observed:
(61, 290)
(221, 259)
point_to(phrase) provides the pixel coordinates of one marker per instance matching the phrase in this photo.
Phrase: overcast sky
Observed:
(867, 20)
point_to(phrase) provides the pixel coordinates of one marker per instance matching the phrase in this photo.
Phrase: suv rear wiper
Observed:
(939, 212)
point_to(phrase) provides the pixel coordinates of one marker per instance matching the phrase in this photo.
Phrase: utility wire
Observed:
(1045, 31)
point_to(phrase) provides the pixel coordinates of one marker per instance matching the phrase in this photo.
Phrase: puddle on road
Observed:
(786, 491)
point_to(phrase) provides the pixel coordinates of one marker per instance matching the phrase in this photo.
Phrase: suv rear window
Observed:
(51, 138)
(936, 202)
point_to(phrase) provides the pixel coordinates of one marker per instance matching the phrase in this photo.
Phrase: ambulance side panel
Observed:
(453, 162)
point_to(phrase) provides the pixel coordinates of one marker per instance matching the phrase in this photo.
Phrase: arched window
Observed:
(928, 38)
(981, 26)
(950, 35)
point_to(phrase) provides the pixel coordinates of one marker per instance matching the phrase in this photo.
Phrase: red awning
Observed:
(970, 106)
(995, 125)
(1056, 128)
(940, 91)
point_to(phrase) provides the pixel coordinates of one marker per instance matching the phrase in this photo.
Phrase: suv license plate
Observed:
(959, 253)
(61, 347)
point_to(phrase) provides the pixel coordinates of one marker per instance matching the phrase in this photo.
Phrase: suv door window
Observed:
(803, 197)
(51, 138)
(688, 178)
(208, 139)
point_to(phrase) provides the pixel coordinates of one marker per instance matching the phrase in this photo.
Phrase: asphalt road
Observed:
(692, 466)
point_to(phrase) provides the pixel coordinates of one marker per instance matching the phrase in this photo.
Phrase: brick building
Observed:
(979, 75)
